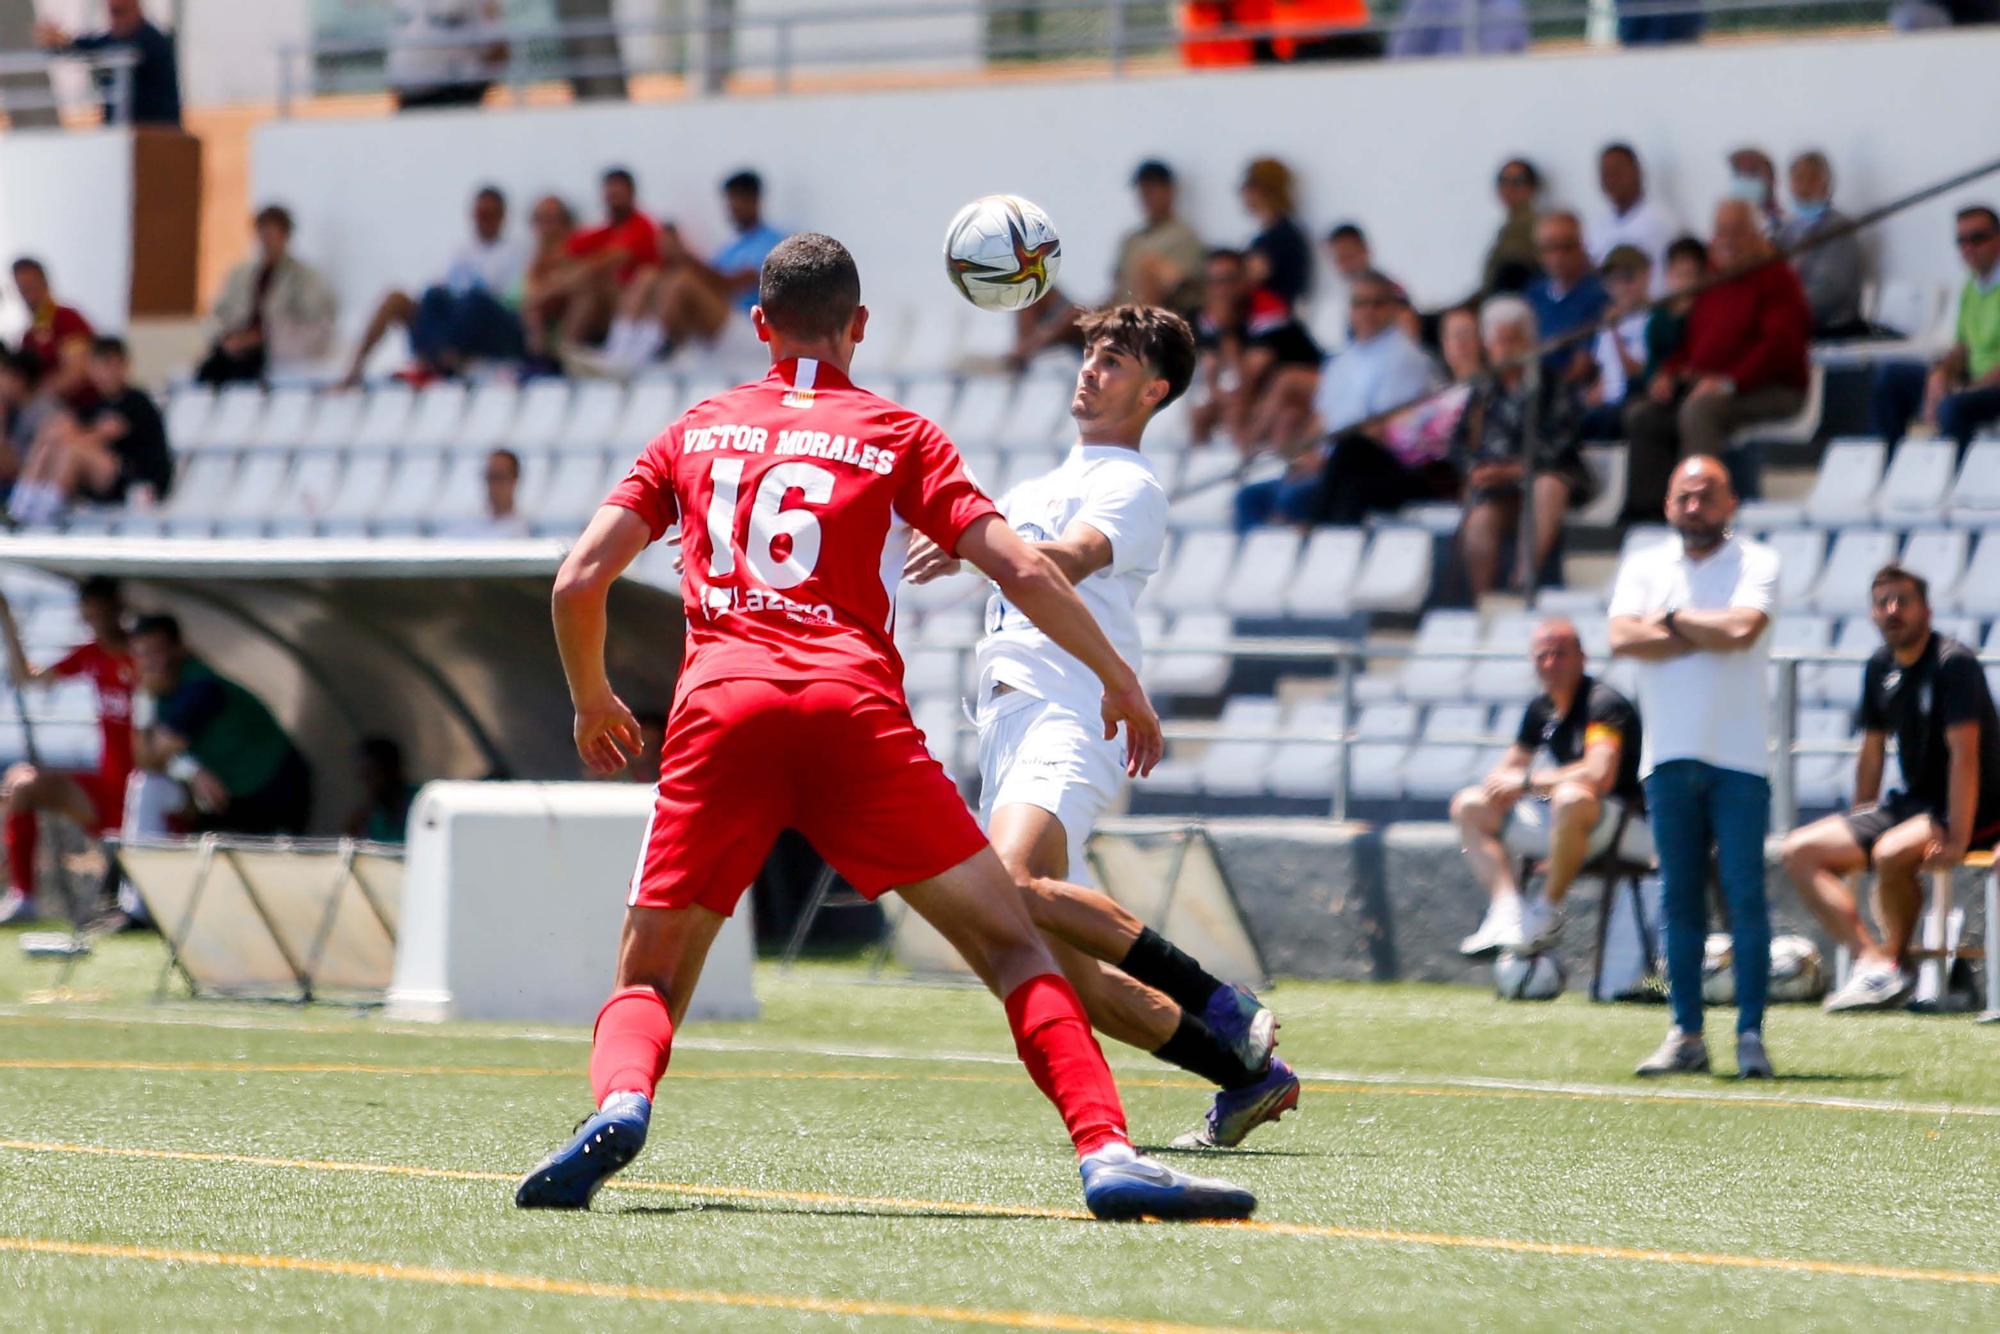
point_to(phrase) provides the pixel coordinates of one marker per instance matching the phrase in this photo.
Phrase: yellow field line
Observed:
(1329, 1232)
(631, 1292)
(1331, 1085)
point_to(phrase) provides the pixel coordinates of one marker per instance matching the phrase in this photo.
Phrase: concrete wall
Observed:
(66, 198)
(1390, 903)
(1408, 149)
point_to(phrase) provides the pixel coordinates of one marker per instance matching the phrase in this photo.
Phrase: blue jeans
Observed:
(451, 327)
(1695, 807)
(1659, 29)
(1277, 500)
(1897, 396)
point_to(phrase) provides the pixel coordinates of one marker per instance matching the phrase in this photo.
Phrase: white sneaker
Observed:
(1501, 930)
(1872, 986)
(1541, 926)
(17, 908)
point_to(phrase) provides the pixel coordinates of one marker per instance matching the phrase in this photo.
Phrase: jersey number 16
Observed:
(781, 546)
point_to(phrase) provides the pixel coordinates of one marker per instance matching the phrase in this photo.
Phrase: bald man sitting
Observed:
(1560, 795)
(1742, 360)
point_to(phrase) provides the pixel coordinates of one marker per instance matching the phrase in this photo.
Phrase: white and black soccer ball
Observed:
(1718, 970)
(1798, 971)
(1528, 977)
(1002, 252)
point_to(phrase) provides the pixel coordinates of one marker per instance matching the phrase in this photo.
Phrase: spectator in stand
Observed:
(1565, 810)
(1382, 369)
(1270, 361)
(214, 759)
(1567, 297)
(1440, 28)
(112, 453)
(1619, 349)
(275, 312)
(1492, 441)
(1347, 250)
(1921, 15)
(468, 316)
(1407, 458)
(1743, 360)
(1160, 263)
(689, 301)
(444, 53)
(1831, 271)
(387, 793)
(1960, 391)
(1696, 614)
(1930, 691)
(602, 262)
(1753, 177)
(543, 305)
(94, 802)
(1220, 331)
(1647, 27)
(501, 518)
(1666, 327)
(155, 87)
(1512, 263)
(1279, 257)
(56, 333)
(19, 418)
(1629, 217)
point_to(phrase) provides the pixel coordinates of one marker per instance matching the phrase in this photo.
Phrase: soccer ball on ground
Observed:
(1002, 252)
(1528, 977)
(1798, 972)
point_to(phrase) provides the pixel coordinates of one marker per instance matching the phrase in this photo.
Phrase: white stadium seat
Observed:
(1843, 491)
(253, 495)
(1384, 732)
(1324, 579)
(309, 491)
(1916, 482)
(386, 419)
(938, 718)
(1509, 680)
(1801, 554)
(1975, 497)
(1938, 554)
(1798, 429)
(1802, 632)
(435, 419)
(1857, 554)
(649, 409)
(1427, 676)
(1190, 673)
(1448, 756)
(337, 423)
(1821, 780)
(1238, 768)
(931, 396)
(930, 671)
(574, 488)
(1172, 428)
(1979, 591)
(1307, 768)
(1263, 572)
(541, 417)
(594, 411)
(1014, 469)
(288, 417)
(1841, 684)
(979, 417)
(1396, 573)
(951, 628)
(1200, 568)
(1040, 416)
(239, 411)
(490, 413)
(189, 411)
(1204, 495)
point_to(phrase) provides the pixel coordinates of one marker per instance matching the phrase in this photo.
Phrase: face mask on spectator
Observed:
(1746, 187)
(1810, 213)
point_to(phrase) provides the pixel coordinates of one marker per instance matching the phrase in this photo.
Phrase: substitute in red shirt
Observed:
(52, 328)
(632, 236)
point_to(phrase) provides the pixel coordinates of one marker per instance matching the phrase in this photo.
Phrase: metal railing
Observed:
(1348, 658)
(709, 47)
(114, 91)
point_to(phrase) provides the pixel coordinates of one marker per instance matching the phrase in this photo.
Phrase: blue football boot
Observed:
(1119, 1184)
(1237, 1112)
(1236, 1016)
(605, 1141)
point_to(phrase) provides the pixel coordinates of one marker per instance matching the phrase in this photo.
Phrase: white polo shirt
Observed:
(1702, 705)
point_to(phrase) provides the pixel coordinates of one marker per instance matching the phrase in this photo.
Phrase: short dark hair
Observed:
(492, 192)
(1159, 338)
(513, 459)
(1224, 252)
(748, 182)
(274, 215)
(1620, 146)
(1347, 231)
(809, 286)
(1153, 172)
(1688, 247)
(110, 345)
(161, 624)
(1893, 573)
(30, 262)
(101, 588)
(619, 174)
(1528, 169)
(1984, 210)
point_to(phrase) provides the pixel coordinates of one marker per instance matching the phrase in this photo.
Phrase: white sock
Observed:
(1115, 1152)
(641, 343)
(35, 502)
(619, 1095)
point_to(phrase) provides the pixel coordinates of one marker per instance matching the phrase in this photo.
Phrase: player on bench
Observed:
(1929, 689)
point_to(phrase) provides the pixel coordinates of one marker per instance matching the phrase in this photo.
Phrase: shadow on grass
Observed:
(1221, 1157)
(776, 1209)
(1825, 1077)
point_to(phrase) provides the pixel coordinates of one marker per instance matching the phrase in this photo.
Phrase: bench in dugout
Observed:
(1941, 942)
(1624, 956)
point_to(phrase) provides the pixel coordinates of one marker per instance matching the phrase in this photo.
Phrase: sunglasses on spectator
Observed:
(1505, 178)
(1977, 238)
(1371, 301)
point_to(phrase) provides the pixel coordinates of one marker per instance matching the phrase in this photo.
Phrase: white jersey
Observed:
(1115, 491)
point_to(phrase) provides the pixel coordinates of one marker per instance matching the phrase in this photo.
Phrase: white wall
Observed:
(66, 198)
(1408, 150)
(229, 48)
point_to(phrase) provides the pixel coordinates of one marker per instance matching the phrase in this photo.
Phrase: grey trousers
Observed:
(1660, 435)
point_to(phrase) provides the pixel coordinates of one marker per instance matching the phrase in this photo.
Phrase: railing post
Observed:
(1343, 781)
(121, 95)
(1114, 35)
(1784, 789)
(286, 54)
(781, 72)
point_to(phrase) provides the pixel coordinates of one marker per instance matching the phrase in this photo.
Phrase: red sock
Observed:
(22, 832)
(628, 1050)
(1053, 1038)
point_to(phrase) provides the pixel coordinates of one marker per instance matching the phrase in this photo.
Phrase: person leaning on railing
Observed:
(155, 81)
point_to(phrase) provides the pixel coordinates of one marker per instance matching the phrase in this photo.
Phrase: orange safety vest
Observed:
(1313, 19)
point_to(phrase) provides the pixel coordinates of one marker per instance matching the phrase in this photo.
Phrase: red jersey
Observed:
(115, 677)
(804, 489)
(52, 328)
(637, 238)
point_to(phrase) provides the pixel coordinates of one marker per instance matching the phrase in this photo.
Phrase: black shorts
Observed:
(1898, 807)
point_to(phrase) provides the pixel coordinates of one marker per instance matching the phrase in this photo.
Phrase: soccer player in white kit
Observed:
(1047, 768)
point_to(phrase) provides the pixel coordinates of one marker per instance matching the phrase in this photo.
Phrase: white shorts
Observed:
(1527, 830)
(1033, 752)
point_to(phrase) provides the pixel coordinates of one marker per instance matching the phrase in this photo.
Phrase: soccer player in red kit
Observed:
(96, 802)
(796, 496)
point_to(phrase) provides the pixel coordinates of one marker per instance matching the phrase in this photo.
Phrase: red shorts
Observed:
(845, 766)
(107, 793)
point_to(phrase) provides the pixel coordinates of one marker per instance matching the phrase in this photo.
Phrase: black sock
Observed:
(1154, 960)
(1195, 1049)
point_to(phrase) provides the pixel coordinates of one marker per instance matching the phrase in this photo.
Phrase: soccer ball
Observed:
(1002, 253)
(1718, 970)
(1529, 977)
(1798, 973)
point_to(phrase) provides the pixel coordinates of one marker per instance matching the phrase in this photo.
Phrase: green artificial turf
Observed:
(870, 1146)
